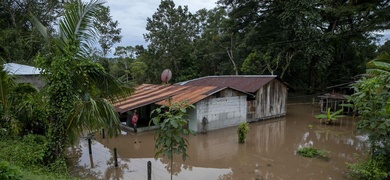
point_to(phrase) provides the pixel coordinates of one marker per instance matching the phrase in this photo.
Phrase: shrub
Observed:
(242, 130)
(311, 152)
(8, 171)
(372, 168)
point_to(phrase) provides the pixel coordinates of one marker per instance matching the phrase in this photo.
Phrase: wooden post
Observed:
(103, 136)
(89, 145)
(149, 166)
(115, 158)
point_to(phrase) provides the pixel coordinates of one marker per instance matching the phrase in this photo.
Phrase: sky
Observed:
(132, 15)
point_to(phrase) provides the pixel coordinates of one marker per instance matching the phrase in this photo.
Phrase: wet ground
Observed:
(269, 153)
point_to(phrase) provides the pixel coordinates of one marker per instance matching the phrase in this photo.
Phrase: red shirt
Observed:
(134, 118)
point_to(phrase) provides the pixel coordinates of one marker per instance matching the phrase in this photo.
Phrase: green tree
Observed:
(171, 122)
(385, 48)
(18, 40)
(108, 30)
(79, 91)
(213, 45)
(171, 34)
(312, 43)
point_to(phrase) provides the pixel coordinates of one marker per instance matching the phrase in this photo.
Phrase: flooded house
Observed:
(270, 93)
(215, 107)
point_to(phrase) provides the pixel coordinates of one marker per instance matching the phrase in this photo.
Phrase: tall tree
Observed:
(171, 34)
(108, 30)
(310, 42)
(79, 90)
(18, 40)
(213, 47)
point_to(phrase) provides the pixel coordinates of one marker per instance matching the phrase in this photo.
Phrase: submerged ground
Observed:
(269, 153)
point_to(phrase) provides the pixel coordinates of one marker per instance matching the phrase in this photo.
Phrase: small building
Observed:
(270, 92)
(215, 107)
(25, 74)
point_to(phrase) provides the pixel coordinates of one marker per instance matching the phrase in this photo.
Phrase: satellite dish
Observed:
(166, 75)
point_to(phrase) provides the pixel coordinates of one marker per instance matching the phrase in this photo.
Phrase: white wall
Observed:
(221, 112)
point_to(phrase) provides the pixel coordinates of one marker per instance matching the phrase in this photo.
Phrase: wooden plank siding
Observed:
(270, 102)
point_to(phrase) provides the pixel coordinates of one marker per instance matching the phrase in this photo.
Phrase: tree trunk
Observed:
(312, 74)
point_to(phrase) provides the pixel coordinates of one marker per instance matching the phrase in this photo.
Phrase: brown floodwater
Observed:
(270, 152)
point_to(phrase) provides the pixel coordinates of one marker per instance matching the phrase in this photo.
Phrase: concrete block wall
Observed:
(221, 112)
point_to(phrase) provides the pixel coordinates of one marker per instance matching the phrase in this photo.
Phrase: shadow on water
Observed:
(269, 153)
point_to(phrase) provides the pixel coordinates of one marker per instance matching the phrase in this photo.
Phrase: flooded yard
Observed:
(269, 153)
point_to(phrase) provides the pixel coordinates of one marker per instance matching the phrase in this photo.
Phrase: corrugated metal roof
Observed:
(246, 83)
(20, 69)
(149, 94)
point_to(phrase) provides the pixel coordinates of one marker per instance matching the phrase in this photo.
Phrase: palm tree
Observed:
(79, 90)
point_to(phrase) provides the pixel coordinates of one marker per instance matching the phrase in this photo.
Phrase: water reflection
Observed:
(269, 153)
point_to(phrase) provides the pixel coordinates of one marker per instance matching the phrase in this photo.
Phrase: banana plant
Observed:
(330, 117)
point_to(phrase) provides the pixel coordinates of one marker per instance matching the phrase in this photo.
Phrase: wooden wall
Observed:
(270, 102)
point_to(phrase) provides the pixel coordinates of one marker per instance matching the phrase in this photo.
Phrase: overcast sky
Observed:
(132, 14)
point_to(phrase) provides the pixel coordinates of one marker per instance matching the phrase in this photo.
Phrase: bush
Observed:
(372, 168)
(311, 152)
(26, 156)
(242, 130)
(28, 151)
(8, 171)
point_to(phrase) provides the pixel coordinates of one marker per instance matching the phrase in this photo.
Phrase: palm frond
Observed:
(77, 24)
(91, 115)
(40, 27)
(103, 84)
(380, 65)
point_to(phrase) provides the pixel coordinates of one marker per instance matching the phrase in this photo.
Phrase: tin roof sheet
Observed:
(20, 69)
(148, 94)
(245, 83)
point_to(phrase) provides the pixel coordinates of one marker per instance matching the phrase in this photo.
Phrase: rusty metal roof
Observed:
(246, 83)
(149, 94)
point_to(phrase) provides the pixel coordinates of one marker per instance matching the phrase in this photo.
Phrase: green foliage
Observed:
(18, 41)
(330, 117)
(29, 151)
(311, 152)
(26, 156)
(172, 126)
(28, 108)
(371, 100)
(7, 171)
(79, 91)
(380, 65)
(371, 168)
(171, 31)
(108, 30)
(242, 130)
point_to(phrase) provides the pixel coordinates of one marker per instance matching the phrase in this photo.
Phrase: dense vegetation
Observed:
(77, 96)
(308, 43)
(372, 100)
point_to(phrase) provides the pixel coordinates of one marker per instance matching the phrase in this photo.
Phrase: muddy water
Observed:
(269, 153)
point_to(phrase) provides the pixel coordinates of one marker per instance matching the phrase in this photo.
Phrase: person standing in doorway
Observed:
(134, 120)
